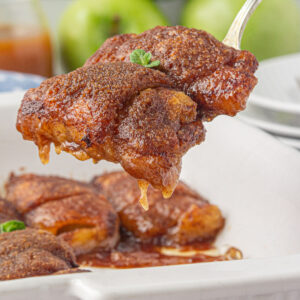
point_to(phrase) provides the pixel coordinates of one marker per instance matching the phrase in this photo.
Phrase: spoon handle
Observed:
(236, 30)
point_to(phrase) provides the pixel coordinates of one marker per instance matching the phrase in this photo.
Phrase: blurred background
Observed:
(49, 37)
(53, 36)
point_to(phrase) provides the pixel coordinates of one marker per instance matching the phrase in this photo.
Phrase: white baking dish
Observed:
(252, 177)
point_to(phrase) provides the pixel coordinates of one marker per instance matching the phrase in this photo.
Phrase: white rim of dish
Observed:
(274, 104)
(272, 127)
(290, 141)
(11, 98)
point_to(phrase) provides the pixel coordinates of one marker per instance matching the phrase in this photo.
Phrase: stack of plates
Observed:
(15, 81)
(275, 103)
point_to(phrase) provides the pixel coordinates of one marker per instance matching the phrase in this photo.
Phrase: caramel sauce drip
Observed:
(143, 185)
(58, 149)
(167, 193)
(44, 151)
(233, 254)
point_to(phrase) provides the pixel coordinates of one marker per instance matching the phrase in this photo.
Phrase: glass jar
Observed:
(25, 44)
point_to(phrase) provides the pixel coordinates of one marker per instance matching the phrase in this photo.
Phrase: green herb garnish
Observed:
(12, 226)
(141, 57)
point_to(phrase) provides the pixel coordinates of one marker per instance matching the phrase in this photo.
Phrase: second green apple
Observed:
(273, 30)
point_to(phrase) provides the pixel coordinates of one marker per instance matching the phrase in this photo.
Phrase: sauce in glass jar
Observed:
(25, 44)
(25, 49)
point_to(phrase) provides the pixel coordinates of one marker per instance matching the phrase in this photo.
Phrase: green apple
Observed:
(86, 24)
(273, 29)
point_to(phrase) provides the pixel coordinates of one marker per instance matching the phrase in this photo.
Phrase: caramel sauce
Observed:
(58, 149)
(130, 253)
(143, 185)
(26, 49)
(233, 254)
(44, 153)
(167, 192)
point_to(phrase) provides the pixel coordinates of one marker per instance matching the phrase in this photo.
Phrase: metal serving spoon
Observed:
(236, 30)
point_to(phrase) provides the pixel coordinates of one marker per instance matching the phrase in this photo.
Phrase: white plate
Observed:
(273, 128)
(279, 83)
(291, 142)
(275, 102)
(286, 134)
(250, 175)
(16, 81)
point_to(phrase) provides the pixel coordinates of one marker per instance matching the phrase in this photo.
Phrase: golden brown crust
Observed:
(28, 191)
(189, 56)
(31, 252)
(159, 127)
(8, 211)
(230, 93)
(68, 208)
(89, 95)
(31, 262)
(118, 112)
(122, 112)
(87, 222)
(184, 218)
